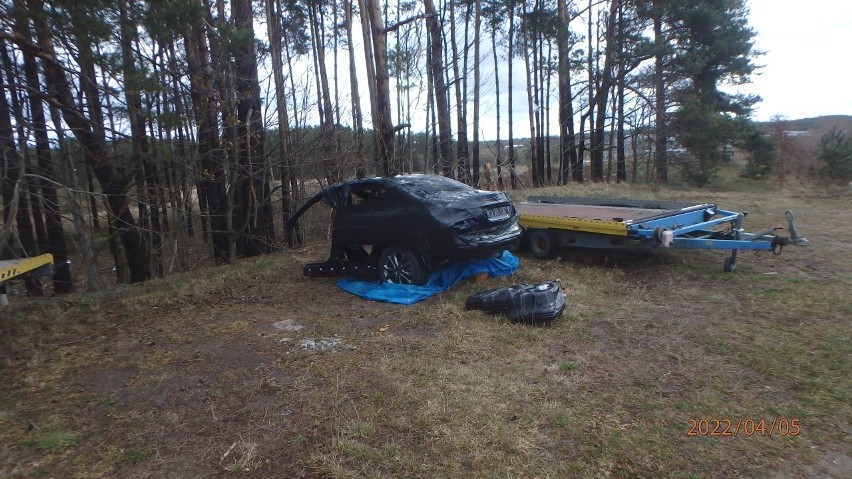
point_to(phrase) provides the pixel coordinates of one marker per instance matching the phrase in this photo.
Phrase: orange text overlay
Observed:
(727, 427)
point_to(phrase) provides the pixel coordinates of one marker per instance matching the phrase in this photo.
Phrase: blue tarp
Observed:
(440, 280)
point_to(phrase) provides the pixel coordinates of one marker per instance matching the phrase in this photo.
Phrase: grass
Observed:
(53, 436)
(186, 376)
(569, 366)
(134, 456)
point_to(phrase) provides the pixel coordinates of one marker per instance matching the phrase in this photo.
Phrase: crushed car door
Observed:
(377, 215)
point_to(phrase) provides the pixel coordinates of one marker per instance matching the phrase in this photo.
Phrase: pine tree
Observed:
(712, 45)
(835, 152)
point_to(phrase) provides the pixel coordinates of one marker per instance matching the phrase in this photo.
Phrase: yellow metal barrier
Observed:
(37, 266)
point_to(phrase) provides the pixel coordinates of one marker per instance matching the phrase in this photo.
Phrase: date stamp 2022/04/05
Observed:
(726, 427)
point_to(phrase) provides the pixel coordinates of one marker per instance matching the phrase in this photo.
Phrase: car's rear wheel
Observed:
(520, 244)
(401, 266)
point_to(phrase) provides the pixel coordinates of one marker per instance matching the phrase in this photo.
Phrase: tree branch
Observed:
(396, 26)
(31, 47)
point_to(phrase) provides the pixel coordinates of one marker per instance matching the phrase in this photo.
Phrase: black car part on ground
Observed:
(522, 303)
(398, 228)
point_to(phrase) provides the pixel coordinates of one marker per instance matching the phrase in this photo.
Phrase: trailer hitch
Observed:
(795, 236)
(794, 231)
(779, 241)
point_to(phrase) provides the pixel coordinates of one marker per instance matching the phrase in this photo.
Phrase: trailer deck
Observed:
(552, 222)
(609, 218)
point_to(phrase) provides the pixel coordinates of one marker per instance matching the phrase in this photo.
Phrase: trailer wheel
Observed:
(730, 265)
(401, 266)
(543, 243)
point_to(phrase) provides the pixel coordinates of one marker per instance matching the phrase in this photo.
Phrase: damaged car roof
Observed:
(339, 195)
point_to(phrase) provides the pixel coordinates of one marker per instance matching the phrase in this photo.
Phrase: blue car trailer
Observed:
(551, 223)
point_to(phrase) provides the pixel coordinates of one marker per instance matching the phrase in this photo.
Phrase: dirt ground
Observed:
(253, 370)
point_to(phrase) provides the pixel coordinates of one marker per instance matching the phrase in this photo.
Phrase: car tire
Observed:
(543, 243)
(401, 266)
(520, 244)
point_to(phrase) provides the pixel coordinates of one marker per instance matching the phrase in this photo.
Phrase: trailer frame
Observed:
(552, 222)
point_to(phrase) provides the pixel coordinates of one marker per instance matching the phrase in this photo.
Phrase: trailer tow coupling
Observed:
(794, 231)
(778, 242)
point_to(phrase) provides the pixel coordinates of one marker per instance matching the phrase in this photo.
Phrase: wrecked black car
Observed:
(399, 228)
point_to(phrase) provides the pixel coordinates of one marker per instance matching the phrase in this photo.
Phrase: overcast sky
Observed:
(807, 68)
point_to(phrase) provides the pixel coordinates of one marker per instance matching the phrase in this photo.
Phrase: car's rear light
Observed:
(465, 225)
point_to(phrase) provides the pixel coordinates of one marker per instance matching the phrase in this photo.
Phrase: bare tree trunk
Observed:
(254, 203)
(56, 236)
(602, 94)
(539, 71)
(382, 120)
(509, 101)
(499, 146)
(140, 152)
(315, 15)
(370, 64)
(634, 150)
(33, 179)
(430, 150)
(462, 172)
(476, 34)
(357, 116)
(592, 83)
(84, 236)
(613, 111)
(157, 182)
(661, 154)
(183, 109)
(320, 100)
(90, 90)
(436, 65)
(219, 55)
(621, 160)
(335, 49)
(273, 24)
(568, 164)
(211, 182)
(296, 123)
(111, 132)
(85, 94)
(545, 113)
(532, 100)
(295, 164)
(89, 95)
(397, 70)
(94, 210)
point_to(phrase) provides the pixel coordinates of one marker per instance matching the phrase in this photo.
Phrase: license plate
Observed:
(498, 213)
